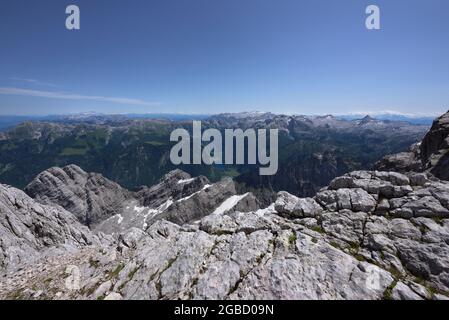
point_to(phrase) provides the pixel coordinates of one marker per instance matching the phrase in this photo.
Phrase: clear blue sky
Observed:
(210, 56)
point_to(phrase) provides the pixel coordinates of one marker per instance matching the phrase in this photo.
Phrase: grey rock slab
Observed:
(89, 196)
(403, 292)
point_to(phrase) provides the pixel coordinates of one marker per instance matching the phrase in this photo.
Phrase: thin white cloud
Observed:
(72, 96)
(33, 81)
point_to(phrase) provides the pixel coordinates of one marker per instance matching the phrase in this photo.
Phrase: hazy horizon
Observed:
(354, 114)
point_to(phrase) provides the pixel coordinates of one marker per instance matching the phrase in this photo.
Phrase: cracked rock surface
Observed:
(89, 196)
(337, 245)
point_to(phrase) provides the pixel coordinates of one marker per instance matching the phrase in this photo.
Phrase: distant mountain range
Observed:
(134, 151)
(9, 121)
(410, 118)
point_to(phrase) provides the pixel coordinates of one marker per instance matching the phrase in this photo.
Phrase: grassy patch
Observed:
(292, 239)
(334, 244)
(395, 273)
(438, 220)
(431, 290)
(359, 257)
(15, 295)
(170, 263)
(388, 293)
(158, 286)
(114, 274)
(132, 273)
(354, 247)
(317, 229)
(89, 291)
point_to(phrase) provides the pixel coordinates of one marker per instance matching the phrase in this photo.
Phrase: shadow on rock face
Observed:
(441, 169)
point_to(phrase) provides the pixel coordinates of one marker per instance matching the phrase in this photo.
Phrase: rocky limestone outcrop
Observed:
(431, 155)
(89, 196)
(28, 228)
(396, 221)
(179, 198)
(176, 184)
(198, 204)
(402, 162)
(106, 207)
(369, 235)
(435, 148)
(238, 256)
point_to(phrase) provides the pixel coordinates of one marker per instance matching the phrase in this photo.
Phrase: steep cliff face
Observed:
(402, 162)
(28, 229)
(89, 196)
(175, 185)
(430, 155)
(435, 148)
